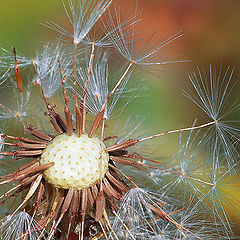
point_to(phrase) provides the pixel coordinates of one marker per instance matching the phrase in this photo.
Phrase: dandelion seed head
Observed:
(76, 176)
(78, 162)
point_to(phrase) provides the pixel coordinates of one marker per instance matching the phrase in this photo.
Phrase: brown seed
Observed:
(100, 205)
(116, 182)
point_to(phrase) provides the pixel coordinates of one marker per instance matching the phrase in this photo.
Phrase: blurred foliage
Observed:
(20, 22)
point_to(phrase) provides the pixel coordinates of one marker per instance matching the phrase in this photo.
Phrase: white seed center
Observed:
(78, 162)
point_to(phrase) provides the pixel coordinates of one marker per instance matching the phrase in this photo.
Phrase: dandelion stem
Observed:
(75, 74)
(63, 81)
(85, 87)
(100, 114)
(78, 112)
(102, 136)
(181, 174)
(66, 108)
(134, 163)
(150, 160)
(117, 85)
(178, 130)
